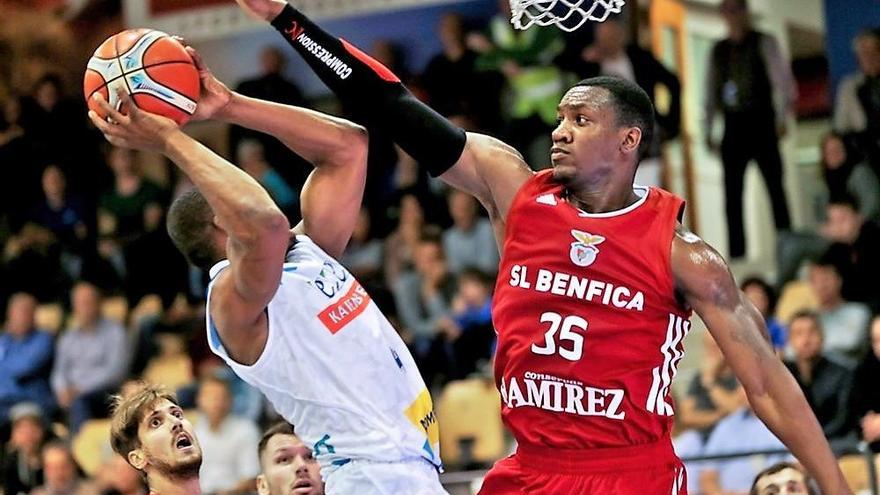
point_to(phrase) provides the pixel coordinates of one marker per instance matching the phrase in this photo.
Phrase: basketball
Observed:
(151, 66)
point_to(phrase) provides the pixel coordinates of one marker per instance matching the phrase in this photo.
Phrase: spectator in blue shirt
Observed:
(468, 334)
(740, 432)
(25, 358)
(92, 359)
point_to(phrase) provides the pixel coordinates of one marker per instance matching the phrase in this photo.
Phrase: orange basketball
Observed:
(151, 66)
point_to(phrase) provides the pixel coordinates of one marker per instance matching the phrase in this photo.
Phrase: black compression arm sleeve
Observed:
(366, 85)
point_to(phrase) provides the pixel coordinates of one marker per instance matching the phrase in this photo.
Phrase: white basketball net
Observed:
(568, 15)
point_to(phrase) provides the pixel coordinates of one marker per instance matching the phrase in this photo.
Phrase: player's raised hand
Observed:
(262, 9)
(214, 95)
(138, 129)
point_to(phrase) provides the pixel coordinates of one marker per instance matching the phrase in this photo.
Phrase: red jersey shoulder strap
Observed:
(670, 209)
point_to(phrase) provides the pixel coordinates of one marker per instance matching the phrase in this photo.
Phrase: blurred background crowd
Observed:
(95, 296)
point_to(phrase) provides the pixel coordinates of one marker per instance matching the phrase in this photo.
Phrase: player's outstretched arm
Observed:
(258, 231)
(477, 164)
(707, 285)
(336, 147)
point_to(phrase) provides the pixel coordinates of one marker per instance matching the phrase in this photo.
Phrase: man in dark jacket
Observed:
(827, 385)
(751, 84)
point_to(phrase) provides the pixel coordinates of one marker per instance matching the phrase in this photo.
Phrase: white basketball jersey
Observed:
(336, 369)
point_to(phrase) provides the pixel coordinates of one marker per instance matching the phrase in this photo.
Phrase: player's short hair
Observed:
(632, 106)
(129, 411)
(280, 428)
(189, 223)
(781, 466)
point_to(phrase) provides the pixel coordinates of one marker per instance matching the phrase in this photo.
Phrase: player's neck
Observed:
(160, 485)
(601, 200)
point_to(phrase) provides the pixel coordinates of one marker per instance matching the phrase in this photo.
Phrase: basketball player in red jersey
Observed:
(597, 281)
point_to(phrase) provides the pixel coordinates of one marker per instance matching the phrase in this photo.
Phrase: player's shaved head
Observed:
(190, 225)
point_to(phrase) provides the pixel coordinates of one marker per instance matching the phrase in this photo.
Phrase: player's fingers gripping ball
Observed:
(152, 67)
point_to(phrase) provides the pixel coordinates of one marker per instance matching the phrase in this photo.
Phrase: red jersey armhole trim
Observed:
(528, 183)
(673, 208)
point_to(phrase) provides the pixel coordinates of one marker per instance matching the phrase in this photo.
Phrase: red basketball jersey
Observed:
(589, 330)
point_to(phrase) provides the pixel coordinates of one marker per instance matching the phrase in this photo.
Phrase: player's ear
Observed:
(262, 485)
(631, 139)
(137, 459)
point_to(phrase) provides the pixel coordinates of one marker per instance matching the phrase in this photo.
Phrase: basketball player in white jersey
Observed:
(286, 316)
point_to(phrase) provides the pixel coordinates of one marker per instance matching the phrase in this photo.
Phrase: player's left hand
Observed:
(138, 130)
(214, 95)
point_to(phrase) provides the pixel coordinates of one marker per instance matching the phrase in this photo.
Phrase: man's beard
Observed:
(180, 471)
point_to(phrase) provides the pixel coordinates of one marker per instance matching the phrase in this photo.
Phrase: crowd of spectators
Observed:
(95, 295)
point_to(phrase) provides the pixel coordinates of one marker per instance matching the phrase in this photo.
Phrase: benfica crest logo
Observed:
(584, 251)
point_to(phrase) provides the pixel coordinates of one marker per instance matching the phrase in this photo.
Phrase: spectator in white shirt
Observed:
(229, 444)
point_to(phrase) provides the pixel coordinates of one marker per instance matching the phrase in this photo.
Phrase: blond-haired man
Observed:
(149, 430)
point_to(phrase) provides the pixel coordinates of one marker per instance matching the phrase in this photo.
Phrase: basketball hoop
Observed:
(568, 15)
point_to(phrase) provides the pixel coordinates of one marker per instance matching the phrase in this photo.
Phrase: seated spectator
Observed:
(271, 84)
(252, 160)
(470, 242)
(62, 474)
(826, 385)
(181, 319)
(19, 154)
(172, 366)
(132, 236)
(846, 174)
(866, 393)
(422, 296)
(285, 461)
(845, 323)
(25, 359)
(857, 240)
(712, 394)
(402, 241)
(91, 360)
(53, 121)
(783, 478)
(22, 467)
(32, 259)
(229, 444)
(468, 332)
(66, 217)
(739, 432)
(763, 297)
(117, 477)
(363, 255)
(852, 235)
